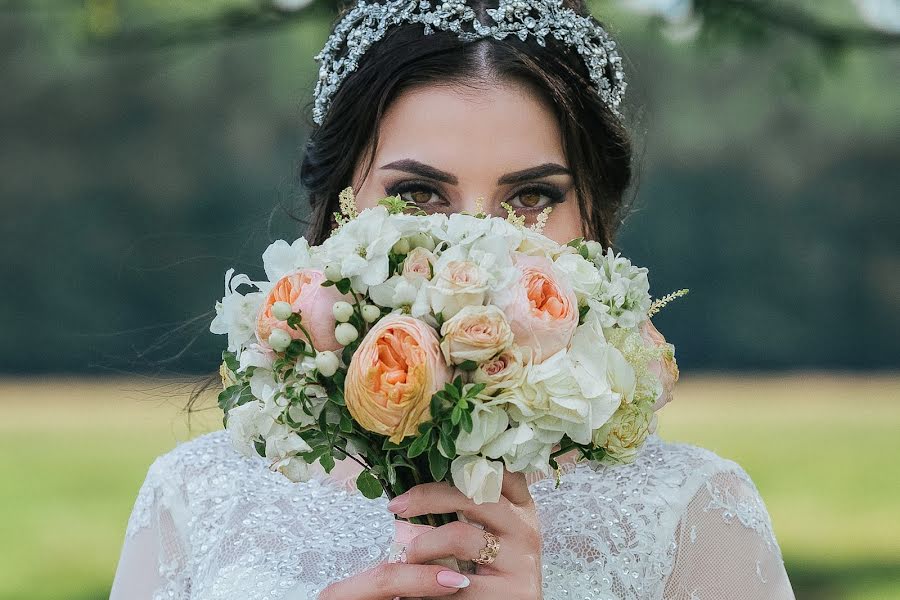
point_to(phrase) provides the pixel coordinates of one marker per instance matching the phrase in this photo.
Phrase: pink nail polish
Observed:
(398, 504)
(452, 579)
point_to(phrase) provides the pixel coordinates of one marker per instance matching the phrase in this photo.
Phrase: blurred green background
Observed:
(148, 145)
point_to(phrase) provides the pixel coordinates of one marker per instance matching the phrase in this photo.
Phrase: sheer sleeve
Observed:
(153, 562)
(726, 547)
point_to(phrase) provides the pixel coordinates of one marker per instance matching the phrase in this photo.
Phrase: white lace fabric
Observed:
(680, 523)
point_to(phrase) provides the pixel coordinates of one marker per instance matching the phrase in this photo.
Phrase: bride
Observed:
(444, 119)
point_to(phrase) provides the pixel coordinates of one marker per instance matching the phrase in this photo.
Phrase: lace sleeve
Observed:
(725, 545)
(153, 561)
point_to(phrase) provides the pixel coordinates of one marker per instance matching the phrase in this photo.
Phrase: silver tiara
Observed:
(367, 23)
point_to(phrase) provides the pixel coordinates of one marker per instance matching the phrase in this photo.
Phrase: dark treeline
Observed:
(131, 180)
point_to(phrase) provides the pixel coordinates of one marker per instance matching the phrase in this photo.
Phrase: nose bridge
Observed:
(475, 201)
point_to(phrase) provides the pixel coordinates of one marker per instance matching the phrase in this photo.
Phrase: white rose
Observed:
(570, 392)
(582, 275)
(530, 456)
(457, 284)
(488, 422)
(475, 333)
(477, 477)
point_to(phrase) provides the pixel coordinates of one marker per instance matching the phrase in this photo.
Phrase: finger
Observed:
(441, 497)
(515, 488)
(389, 580)
(458, 539)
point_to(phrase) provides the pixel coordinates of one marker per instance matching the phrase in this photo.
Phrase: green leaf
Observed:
(475, 389)
(327, 283)
(437, 463)
(369, 486)
(447, 446)
(327, 462)
(456, 415)
(230, 397)
(468, 365)
(346, 423)
(452, 390)
(343, 287)
(260, 446)
(435, 405)
(418, 446)
(467, 421)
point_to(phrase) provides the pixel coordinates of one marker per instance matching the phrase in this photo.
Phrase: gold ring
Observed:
(490, 550)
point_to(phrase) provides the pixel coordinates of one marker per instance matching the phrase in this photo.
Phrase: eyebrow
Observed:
(415, 167)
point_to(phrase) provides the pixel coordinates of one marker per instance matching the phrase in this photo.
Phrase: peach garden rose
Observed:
(665, 368)
(303, 290)
(393, 374)
(542, 309)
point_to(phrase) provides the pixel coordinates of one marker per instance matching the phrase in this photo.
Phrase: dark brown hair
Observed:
(596, 143)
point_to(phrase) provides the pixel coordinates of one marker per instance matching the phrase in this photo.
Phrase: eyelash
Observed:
(553, 193)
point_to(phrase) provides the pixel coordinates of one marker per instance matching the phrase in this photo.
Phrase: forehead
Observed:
(492, 129)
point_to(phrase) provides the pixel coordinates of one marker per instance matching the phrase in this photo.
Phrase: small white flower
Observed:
(282, 311)
(279, 340)
(294, 468)
(281, 259)
(236, 313)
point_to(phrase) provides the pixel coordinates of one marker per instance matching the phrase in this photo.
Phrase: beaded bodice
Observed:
(679, 523)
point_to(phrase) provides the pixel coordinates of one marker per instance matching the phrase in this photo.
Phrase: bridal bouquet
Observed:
(435, 347)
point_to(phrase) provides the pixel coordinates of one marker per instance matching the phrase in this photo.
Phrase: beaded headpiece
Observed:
(367, 23)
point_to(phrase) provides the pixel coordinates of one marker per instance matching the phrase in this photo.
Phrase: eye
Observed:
(537, 197)
(420, 194)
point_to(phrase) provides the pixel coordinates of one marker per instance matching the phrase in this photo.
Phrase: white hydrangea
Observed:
(624, 291)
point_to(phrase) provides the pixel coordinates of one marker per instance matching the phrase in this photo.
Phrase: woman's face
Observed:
(442, 148)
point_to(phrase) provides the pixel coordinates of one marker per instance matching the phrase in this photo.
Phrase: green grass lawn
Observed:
(821, 448)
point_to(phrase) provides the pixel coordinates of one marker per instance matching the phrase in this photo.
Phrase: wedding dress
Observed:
(681, 523)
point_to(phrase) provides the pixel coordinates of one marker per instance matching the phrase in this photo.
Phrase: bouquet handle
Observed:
(404, 532)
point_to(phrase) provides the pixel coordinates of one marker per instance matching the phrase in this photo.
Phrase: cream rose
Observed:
(457, 284)
(625, 432)
(418, 264)
(475, 333)
(541, 308)
(505, 370)
(392, 376)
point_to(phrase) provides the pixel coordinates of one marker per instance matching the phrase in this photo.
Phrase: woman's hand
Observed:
(515, 574)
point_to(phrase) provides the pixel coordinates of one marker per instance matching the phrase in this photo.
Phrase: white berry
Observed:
(345, 334)
(370, 313)
(327, 363)
(279, 340)
(282, 311)
(342, 311)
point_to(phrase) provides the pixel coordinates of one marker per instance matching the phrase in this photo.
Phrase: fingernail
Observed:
(452, 579)
(398, 504)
